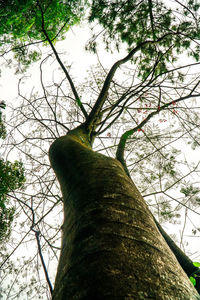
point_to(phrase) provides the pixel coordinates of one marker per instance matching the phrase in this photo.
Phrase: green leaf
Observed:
(78, 102)
(193, 280)
(196, 264)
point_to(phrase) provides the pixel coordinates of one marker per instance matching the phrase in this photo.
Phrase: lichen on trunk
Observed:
(111, 247)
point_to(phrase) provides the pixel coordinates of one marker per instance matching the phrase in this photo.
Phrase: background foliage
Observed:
(11, 178)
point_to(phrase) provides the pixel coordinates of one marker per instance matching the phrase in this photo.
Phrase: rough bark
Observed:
(111, 247)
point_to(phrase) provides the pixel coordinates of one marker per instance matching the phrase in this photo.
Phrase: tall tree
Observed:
(112, 246)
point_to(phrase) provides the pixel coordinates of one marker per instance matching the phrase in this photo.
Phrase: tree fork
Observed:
(111, 247)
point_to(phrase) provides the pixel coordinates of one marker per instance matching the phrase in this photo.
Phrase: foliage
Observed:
(169, 30)
(195, 274)
(22, 24)
(2, 125)
(23, 19)
(11, 178)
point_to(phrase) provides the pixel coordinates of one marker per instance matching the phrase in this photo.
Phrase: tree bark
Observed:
(111, 247)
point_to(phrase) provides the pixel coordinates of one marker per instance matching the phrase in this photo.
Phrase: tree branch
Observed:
(125, 135)
(185, 262)
(37, 233)
(90, 122)
(151, 18)
(77, 98)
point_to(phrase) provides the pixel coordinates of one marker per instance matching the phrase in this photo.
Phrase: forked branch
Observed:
(90, 122)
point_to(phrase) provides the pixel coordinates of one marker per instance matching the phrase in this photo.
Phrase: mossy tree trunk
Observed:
(111, 247)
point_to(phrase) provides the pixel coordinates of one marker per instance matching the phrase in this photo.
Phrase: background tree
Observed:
(157, 89)
(11, 178)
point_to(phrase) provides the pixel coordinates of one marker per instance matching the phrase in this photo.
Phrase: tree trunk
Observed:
(111, 247)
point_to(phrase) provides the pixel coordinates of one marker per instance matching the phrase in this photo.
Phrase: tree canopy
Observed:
(23, 23)
(143, 110)
(161, 29)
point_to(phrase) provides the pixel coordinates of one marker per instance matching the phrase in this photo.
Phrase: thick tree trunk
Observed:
(111, 247)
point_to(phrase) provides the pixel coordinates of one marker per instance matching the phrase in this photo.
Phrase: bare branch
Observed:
(77, 98)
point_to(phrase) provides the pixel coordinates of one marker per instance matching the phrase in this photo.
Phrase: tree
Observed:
(111, 244)
(11, 178)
